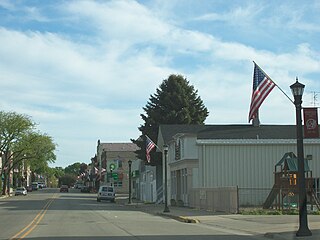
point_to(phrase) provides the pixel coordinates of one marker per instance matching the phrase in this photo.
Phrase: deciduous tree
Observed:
(21, 145)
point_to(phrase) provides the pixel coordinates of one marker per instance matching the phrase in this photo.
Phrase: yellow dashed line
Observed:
(29, 228)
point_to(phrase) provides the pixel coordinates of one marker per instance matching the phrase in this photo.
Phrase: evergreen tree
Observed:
(175, 102)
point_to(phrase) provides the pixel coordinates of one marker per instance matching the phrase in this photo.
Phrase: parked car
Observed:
(35, 186)
(64, 188)
(78, 186)
(29, 188)
(21, 191)
(41, 185)
(106, 193)
(85, 189)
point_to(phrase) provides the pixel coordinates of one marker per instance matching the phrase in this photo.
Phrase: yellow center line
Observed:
(29, 228)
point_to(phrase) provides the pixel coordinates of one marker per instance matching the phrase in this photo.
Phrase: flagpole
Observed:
(273, 82)
(153, 143)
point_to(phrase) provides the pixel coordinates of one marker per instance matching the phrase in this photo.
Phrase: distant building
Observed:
(112, 159)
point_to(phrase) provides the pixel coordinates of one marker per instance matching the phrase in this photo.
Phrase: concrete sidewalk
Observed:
(269, 226)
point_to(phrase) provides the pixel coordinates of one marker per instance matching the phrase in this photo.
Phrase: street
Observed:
(49, 214)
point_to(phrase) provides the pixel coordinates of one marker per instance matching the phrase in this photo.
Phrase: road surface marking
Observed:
(29, 228)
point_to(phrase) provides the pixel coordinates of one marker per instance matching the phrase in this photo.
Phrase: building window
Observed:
(119, 163)
(117, 183)
(182, 148)
(177, 150)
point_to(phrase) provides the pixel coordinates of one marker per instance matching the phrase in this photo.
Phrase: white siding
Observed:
(190, 148)
(195, 177)
(247, 165)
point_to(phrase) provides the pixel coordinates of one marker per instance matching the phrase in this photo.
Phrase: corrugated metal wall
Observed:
(247, 165)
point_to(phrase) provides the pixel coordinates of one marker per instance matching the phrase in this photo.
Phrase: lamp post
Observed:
(165, 151)
(129, 162)
(297, 91)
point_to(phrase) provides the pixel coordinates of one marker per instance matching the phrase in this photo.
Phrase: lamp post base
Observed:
(166, 209)
(303, 232)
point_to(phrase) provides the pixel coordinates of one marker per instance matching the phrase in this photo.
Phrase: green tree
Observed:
(12, 128)
(37, 148)
(34, 150)
(53, 176)
(175, 102)
(73, 169)
(22, 146)
(58, 172)
(83, 168)
(67, 179)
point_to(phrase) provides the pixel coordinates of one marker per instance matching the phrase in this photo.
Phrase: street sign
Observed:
(115, 176)
(112, 166)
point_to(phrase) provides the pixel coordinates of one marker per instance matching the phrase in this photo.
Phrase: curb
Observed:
(5, 196)
(277, 236)
(179, 218)
(188, 220)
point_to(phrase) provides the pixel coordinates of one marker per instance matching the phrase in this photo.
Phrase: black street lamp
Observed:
(297, 91)
(165, 150)
(129, 162)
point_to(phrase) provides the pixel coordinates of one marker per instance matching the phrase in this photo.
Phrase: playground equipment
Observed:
(284, 193)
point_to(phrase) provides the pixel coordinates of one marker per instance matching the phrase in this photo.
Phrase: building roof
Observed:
(244, 131)
(248, 132)
(166, 131)
(119, 147)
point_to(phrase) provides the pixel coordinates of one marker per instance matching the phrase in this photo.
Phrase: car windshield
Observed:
(20, 189)
(107, 189)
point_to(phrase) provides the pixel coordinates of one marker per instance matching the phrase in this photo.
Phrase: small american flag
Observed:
(262, 86)
(149, 146)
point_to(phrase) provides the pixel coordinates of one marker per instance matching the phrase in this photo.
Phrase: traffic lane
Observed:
(18, 211)
(74, 216)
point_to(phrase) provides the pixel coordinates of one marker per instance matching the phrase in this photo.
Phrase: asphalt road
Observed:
(48, 214)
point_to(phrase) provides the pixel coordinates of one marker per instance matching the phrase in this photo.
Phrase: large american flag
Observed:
(149, 146)
(262, 86)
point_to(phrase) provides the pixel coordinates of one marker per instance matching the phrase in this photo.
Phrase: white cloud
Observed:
(34, 14)
(239, 15)
(81, 91)
(7, 4)
(125, 20)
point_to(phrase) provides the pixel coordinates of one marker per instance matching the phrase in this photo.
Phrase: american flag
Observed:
(149, 146)
(262, 86)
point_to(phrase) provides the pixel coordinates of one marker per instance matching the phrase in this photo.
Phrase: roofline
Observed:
(253, 141)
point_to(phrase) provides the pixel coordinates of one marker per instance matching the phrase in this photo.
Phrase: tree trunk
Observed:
(5, 183)
(5, 172)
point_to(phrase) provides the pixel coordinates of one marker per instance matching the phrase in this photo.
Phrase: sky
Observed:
(83, 70)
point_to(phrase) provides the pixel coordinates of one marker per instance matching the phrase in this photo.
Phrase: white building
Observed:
(203, 157)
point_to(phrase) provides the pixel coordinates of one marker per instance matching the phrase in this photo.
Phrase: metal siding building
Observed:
(232, 155)
(248, 164)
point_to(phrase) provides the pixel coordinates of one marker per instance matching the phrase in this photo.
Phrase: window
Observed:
(117, 183)
(119, 163)
(177, 155)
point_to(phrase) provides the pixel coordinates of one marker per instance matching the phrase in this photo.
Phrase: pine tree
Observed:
(175, 102)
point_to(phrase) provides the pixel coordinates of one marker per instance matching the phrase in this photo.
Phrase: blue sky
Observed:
(83, 70)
